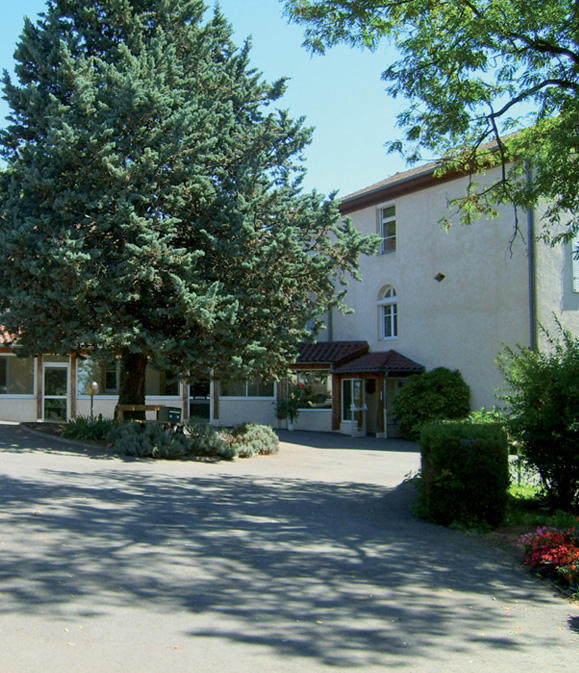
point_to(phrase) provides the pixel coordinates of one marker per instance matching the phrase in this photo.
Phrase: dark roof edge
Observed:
(406, 184)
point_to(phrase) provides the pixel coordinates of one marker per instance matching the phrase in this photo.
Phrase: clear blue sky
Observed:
(340, 94)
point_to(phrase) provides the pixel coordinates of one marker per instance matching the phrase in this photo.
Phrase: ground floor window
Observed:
(255, 388)
(158, 383)
(16, 375)
(316, 386)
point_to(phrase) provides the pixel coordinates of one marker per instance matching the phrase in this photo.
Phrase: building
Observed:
(429, 298)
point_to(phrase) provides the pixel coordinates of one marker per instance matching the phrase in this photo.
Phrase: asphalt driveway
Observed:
(306, 561)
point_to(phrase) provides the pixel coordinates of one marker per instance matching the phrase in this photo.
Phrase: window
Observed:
(387, 229)
(16, 375)
(388, 312)
(108, 376)
(255, 388)
(352, 396)
(316, 386)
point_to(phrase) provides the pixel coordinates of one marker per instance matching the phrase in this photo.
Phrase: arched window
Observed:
(388, 312)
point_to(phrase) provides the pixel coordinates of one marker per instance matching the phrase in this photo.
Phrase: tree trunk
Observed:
(132, 386)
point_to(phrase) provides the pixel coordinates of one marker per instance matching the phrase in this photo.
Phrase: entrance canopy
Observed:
(387, 362)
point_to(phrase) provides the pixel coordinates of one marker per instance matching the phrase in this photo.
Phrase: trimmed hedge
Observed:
(465, 473)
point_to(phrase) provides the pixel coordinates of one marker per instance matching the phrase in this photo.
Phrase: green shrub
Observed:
(465, 473)
(483, 415)
(543, 412)
(150, 440)
(250, 439)
(206, 441)
(440, 393)
(90, 428)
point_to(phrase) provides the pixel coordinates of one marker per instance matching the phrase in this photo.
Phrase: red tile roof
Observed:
(390, 361)
(330, 352)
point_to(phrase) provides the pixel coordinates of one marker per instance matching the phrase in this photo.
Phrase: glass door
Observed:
(55, 395)
(200, 399)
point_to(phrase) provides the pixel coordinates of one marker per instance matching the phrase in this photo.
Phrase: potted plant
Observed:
(289, 406)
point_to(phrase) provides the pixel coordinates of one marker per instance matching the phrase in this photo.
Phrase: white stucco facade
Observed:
(461, 294)
(454, 298)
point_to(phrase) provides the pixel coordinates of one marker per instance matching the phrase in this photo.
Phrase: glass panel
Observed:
(161, 383)
(199, 389)
(55, 381)
(3, 375)
(346, 399)
(358, 393)
(16, 375)
(260, 388)
(112, 378)
(55, 410)
(89, 370)
(233, 389)
(317, 388)
(389, 212)
(199, 409)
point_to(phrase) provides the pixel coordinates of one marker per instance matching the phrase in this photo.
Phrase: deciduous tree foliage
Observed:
(151, 205)
(542, 397)
(472, 73)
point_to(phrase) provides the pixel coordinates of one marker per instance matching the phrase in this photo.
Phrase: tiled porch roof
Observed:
(390, 362)
(330, 352)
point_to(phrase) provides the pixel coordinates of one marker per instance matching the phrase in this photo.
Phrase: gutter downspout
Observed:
(532, 283)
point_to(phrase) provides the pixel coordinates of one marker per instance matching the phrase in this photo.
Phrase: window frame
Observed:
(247, 384)
(327, 372)
(20, 396)
(388, 313)
(386, 215)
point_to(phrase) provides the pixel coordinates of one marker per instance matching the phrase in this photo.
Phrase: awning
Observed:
(389, 362)
(330, 353)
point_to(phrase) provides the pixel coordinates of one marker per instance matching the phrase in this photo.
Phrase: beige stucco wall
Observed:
(236, 411)
(483, 301)
(555, 296)
(17, 409)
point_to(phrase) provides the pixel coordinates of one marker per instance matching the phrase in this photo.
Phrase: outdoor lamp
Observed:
(92, 389)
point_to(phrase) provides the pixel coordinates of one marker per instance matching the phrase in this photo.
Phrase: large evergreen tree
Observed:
(151, 206)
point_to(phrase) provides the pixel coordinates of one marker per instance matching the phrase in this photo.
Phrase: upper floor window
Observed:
(387, 229)
(388, 311)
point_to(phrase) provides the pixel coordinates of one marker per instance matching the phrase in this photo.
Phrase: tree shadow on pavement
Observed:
(339, 573)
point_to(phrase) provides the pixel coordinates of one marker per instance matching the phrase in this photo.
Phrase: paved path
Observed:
(306, 562)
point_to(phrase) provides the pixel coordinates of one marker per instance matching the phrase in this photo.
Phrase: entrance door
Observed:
(199, 399)
(354, 407)
(55, 392)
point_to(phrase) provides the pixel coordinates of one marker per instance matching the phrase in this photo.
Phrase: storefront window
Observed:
(108, 376)
(16, 375)
(316, 388)
(247, 389)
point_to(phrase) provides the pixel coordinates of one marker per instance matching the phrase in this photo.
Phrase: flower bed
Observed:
(554, 553)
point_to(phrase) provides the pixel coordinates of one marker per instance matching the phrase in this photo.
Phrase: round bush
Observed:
(205, 441)
(437, 394)
(251, 439)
